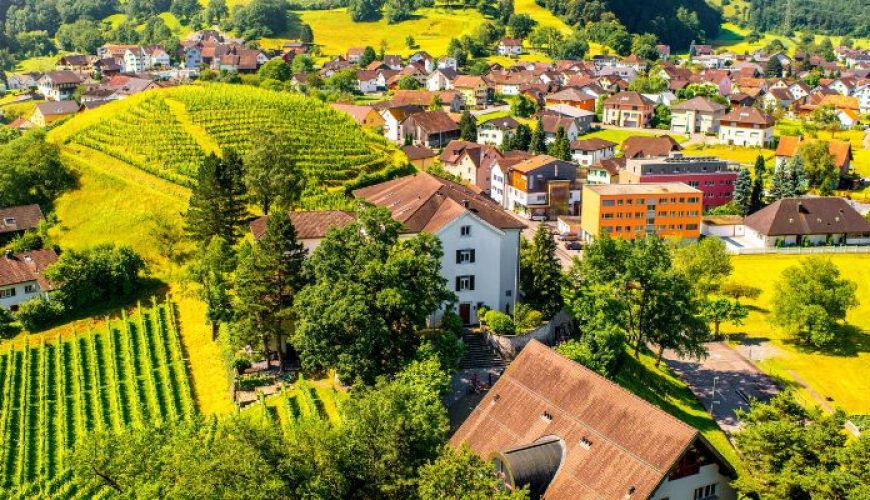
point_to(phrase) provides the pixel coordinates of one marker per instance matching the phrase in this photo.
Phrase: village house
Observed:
(51, 111)
(366, 116)
(605, 171)
(422, 158)
(806, 222)
(712, 176)
(431, 129)
(451, 101)
(553, 122)
(567, 433)
(426, 61)
(21, 277)
(395, 117)
(588, 151)
(510, 47)
(476, 93)
(630, 211)
(841, 151)
(58, 85)
(441, 79)
(311, 227)
(354, 54)
(15, 221)
(539, 188)
(468, 224)
(628, 109)
(79, 63)
(777, 98)
(367, 82)
(495, 131)
(470, 162)
(699, 115)
(745, 126)
(572, 97)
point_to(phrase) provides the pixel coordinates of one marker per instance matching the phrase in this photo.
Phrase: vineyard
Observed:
(305, 401)
(167, 132)
(132, 372)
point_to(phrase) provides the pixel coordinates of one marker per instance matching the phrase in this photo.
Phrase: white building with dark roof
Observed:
(21, 277)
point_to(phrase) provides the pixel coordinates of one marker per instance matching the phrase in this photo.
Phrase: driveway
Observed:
(736, 381)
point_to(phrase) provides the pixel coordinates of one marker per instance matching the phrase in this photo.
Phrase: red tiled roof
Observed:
(20, 218)
(841, 151)
(26, 266)
(424, 202)
(308, 225)
(747, 115)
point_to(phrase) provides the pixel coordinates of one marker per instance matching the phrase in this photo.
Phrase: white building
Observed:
(134, 61)
(481, 242)
(588, 151)
(745, 126)
(806, 222)
(58, 85)
(21, 277)
(510, 47)
(494, 131)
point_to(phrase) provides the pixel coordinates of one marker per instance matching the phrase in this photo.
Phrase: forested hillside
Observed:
(832, 17)
(675, 22)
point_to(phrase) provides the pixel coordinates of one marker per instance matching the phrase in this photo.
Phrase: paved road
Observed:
(736, 381)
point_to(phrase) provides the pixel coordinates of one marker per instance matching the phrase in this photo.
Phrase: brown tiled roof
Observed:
(424, 202)
(616, 445)
(53, 108)
(594, 144)
(629, 98)
(841, 151)
(552, 123)
(505, 123)
(433, 122)
(468, 81)
(308, 225)
(358, 113)
(571, 94)
(417, 152)
(645, 147)
(613, 165)
(418, 97)
(26, 266)
(805, 216)
(699, 104)
(63, 77)
(20, 218)
(747, 115)
(535, 163)
(456, 149)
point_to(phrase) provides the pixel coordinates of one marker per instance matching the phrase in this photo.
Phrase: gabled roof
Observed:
(628, 98)
(594, 144)
(747, 115)
(424, 202)
(20, 218)
(805, 216)
(505, 123)
(616, 444)
(841, 151)
(571, 94)
(51, 108)
(358, 113)
(418, 152)
(552, 123)
(62, 77)
(24, 267)
(612, 165)
(647, 147)
(308, 225)
(539, 161)
(468, 81)
(434, 122)
(699, 104)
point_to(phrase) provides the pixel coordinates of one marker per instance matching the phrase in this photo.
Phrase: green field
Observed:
(842, 375)
(432, 29)
(129, 373)
(733, 38)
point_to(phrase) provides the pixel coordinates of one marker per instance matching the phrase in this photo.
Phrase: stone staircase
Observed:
(479, 354)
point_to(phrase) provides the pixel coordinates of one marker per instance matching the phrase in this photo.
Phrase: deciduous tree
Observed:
(541, 276)
(272, 176)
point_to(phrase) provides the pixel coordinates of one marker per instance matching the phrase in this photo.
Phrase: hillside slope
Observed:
(168, 132)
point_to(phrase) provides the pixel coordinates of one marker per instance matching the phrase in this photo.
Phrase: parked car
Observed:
(573, 245)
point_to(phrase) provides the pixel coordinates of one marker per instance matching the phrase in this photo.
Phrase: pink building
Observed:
(714, 177)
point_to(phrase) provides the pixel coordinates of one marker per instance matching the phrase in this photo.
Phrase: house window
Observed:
(30, 288)
(9, 221)
(607, 203)
(705, 491)
(465, 256)
(7, 293)
(465, 230)
(464, 283)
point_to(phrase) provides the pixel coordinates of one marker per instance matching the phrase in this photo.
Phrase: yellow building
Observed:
(633, 210)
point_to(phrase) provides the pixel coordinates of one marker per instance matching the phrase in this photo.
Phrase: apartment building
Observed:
(714, 177)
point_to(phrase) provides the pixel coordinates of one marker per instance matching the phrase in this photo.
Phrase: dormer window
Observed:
(9, 221)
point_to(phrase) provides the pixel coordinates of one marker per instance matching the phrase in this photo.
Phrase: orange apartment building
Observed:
(633, 210)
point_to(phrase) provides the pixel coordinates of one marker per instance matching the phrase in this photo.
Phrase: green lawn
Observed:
(661, 387)
(733, 38)
(743, 155)
(619, 136)
(38, 64)
(841, 376)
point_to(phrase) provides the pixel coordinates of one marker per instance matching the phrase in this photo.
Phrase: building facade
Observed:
(539, 188)
(714, 177)
(631, 211)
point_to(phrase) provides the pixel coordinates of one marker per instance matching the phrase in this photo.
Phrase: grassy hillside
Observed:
(168, 132)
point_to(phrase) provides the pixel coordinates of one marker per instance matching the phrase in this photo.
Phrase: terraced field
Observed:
(168, 132)
(132, 373)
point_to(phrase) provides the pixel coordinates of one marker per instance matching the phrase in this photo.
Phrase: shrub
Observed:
(7, 324)
(241, 363)
(248, 382)
(500, 323)
(38, 313)
(100, 274)
(527, 318)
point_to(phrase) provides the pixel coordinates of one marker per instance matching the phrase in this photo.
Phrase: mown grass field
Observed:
(742, 155)
(733, 38)
(841, 375)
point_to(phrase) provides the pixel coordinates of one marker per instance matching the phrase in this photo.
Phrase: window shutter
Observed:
(457, 283)
(472, 283)
(459, 256)
(472, 256)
